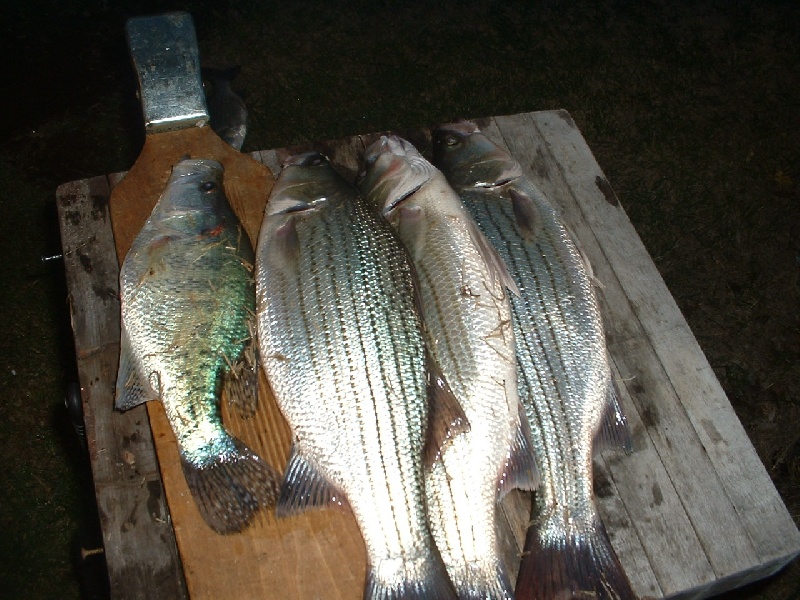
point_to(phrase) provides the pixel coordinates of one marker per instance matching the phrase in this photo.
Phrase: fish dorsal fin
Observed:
(520, 471)
(446, 418)
(614, 432)
(494, 262)
(305, 487)
(241, 376)
(132, 388)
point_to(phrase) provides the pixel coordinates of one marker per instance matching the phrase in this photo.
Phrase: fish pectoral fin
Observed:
(525, 213)
(241, 379)
(132, 388)
(614, 432)
(411, 226)
(446, 418)
(305, 487)
(520, 471)
(284, 245)
(584, 257)
(494, 262)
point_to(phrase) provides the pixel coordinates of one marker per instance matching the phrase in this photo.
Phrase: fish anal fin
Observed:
(520, 471)
(230, 488)
(614, 432)
(305, 487)
(580, 565)
(446, 418)
(494, 262)
(132, 387)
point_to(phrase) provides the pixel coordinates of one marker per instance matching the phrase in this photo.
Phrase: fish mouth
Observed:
(193, 166)
(305, 159)
(388, 144)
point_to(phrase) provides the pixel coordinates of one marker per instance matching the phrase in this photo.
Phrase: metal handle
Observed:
(167, 62)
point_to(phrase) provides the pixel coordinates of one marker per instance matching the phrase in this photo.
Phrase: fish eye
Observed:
(208, 186)
(450, 141)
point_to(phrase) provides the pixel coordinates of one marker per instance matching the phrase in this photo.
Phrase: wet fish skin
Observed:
(187, 298)
(468, 318)
(341, 341)
(564, 376)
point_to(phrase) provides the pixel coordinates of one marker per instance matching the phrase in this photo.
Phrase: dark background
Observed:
(692, 110)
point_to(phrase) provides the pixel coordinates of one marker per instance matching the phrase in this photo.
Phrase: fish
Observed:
(341, 342)
(464, 293)
(563, 371)
(227, 110)
(187, 323)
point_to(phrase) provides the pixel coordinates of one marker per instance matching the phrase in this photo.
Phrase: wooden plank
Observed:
(691, 512)
(720, 481)
(139, 543)
(746, 482)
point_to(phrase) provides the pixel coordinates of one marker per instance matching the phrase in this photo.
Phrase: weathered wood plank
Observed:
(138, 538)
(746, 482)
(671, 384)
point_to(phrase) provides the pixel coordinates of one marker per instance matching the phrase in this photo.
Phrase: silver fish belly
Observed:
(564, 376)
(468, 319)
(187, 297)
(341, 343)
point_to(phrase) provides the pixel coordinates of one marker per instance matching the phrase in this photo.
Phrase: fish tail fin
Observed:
(232, 486)
(582, 564)
(426, 581)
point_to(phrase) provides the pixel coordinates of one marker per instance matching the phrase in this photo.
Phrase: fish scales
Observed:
(468, 321)
(187, 297)
(564, 349)
(341, 340)
(564, 377)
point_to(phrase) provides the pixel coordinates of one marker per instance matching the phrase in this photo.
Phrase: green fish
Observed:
(188, 303)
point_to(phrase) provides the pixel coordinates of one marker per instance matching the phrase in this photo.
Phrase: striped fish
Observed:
(564, 376)
(341, 341)
(468, 317)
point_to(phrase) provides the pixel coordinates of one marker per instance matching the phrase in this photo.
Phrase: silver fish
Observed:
(188, 298)
(564, 375)
(341, 341)
(467, 314)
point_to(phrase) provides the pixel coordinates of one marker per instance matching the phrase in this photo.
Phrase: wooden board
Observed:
(691, 513)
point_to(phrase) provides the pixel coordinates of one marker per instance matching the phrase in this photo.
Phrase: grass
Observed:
(692, 109)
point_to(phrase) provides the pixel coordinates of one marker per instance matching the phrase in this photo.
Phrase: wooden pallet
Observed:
(691, 513)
